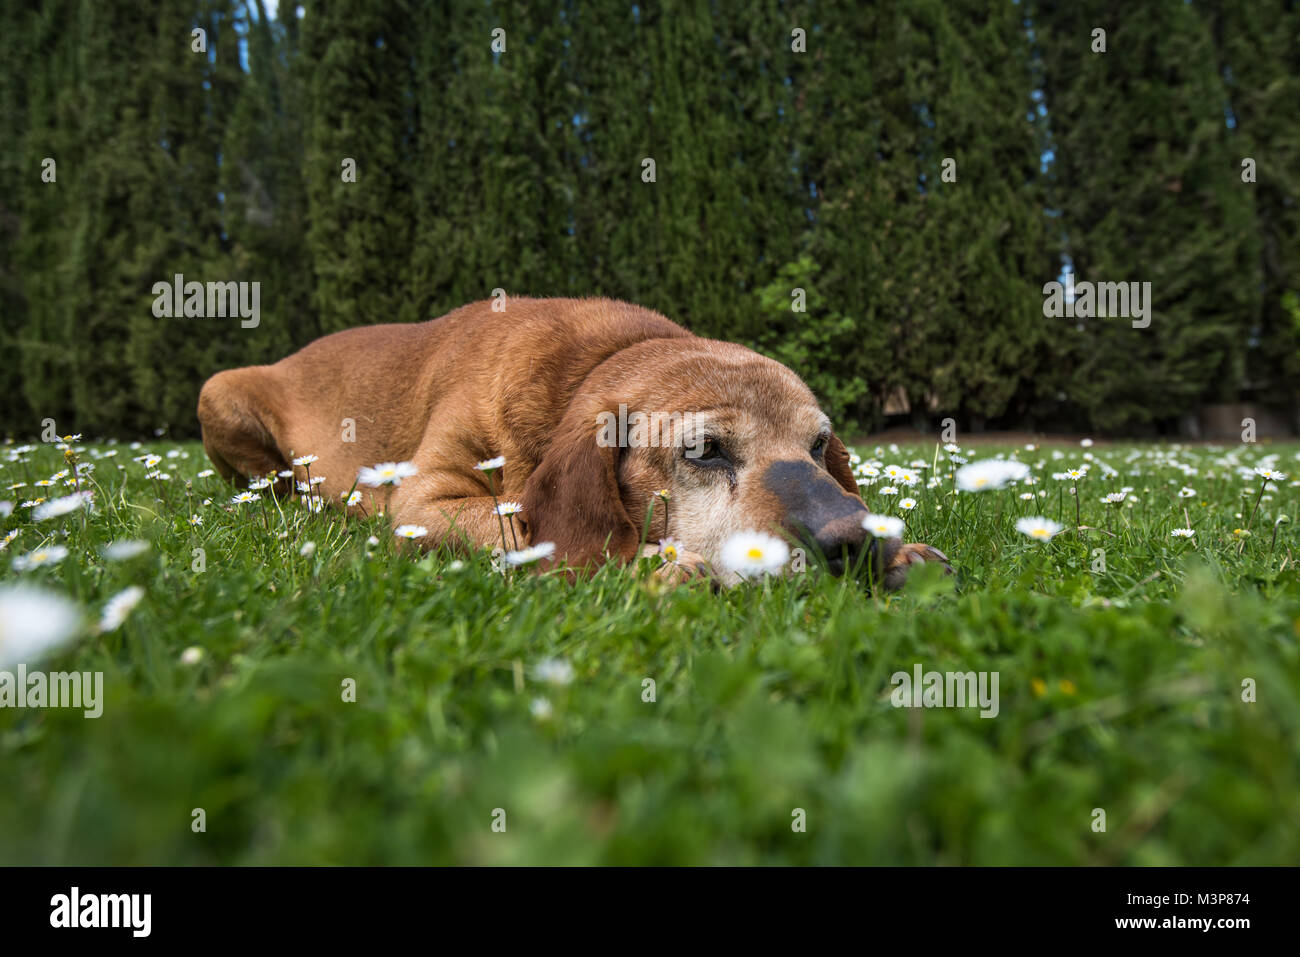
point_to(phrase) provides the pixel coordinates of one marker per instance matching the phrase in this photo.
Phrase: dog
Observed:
(742, 443)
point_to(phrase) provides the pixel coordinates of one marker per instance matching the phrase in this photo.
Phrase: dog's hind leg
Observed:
(234, 409)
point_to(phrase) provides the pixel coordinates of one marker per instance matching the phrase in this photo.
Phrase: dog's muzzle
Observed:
(819, 512)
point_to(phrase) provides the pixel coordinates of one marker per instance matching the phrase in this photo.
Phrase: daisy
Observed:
(33, 623)
(244, 497)
(1039, 528)
(386, 473)
(191, 656)
(889, 490)
(196, 520)
(305, 460)
(1186, 492)
(1114, 497)
(534, 553)
(124, 549)
(754, 553)
(119, 606)
(410, 531)
(51, 555)
(488, 465)
(509, 508)
(206, 473)
(989, 474)
(907, 504)
(308, 549)
(1182, 533)
(60, 506)
(670, 549)
(553, 671)
(883, 526)
(353, 498)
(1269, 475)
(541, 709)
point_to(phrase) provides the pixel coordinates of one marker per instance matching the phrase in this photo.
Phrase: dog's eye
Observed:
(709, 453)
(818, 447)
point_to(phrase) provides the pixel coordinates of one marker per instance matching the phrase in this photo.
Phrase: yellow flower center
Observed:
(755, 553)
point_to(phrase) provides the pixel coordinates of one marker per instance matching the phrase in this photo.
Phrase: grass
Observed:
(1119, 690)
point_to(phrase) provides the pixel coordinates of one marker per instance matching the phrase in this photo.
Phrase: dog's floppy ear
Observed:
(837, 463)
(573, 497)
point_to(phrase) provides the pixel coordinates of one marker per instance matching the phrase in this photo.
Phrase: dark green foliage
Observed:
(522, 169)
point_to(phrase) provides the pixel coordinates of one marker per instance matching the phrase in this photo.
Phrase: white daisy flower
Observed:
(754, 553)
(990, 474)
(386, 473)
(410, 531)
(1269, 475)
(509, 508)
(353, 498)
(1182, 533)
(191, 656)
(124, 549)
(60, 506)
(1114, 497)
(305, 460)
(889, 490)
(534, 553)
(883, 526)
(206, 473)
(50, 555)
(244, 497)
(119, 606)
(487, 465)
(308, 549)
(907, 504)
(541, 709)
(1038, 528)
(553, 671)
(33, 623)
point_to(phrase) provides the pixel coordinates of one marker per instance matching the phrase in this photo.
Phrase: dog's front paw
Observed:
(904, 557)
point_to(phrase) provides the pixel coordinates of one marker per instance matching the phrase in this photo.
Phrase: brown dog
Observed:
(595, 405)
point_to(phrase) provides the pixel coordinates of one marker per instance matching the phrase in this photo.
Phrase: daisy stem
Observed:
(1250, 521)
(514, 538)
(501, 524)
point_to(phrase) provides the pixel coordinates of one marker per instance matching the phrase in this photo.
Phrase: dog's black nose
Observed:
(841, 542)
(819, 511)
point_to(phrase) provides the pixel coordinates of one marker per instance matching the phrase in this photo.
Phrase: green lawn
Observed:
(1120, 690)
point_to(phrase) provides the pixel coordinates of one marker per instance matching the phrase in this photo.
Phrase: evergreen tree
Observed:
(1148, 190)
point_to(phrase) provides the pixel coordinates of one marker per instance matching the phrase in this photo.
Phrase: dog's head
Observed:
(736, 440)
